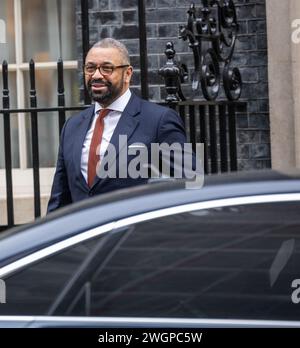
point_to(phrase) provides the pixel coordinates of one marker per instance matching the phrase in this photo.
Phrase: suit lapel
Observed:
(86, 121)
(126, 126)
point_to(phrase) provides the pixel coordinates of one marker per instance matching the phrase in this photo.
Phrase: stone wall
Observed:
(119, 19)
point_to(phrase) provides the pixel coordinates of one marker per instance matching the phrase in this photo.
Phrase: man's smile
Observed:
(97, 87)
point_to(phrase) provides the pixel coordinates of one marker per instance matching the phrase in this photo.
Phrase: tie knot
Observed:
(103, 112)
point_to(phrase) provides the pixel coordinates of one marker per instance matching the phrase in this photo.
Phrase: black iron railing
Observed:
(212, 123)
(211, 31)
(33, 110)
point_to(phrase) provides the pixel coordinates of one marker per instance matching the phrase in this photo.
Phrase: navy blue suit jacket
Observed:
(141, 121)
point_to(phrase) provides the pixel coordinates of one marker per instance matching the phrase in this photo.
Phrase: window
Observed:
(42, 30)
(37, 288)
(234, 262)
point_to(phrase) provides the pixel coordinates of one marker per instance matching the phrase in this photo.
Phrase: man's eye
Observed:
(90, 68)
(107, 68)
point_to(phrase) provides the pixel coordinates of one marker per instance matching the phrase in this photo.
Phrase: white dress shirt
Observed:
(110, 122)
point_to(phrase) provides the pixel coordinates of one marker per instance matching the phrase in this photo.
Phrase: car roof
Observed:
(167, 185)
(212, 183)
(113, 206)
(215, 186)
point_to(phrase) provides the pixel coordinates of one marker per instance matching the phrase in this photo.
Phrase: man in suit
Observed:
(116, 112)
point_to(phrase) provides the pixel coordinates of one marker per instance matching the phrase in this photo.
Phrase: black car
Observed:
(161, 255)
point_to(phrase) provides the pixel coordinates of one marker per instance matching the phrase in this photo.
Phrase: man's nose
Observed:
(97, 74)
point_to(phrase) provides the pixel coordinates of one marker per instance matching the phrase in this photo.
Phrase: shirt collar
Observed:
(117, 105)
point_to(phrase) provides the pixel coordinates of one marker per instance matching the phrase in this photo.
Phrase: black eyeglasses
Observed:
(105, 69)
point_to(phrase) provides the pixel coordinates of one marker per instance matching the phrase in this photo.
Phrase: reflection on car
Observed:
(161, 255)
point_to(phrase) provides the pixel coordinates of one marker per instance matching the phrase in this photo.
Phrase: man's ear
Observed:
(128, 74)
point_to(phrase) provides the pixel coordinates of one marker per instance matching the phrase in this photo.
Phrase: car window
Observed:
(239, 262)
(36, 289)
(234, 262)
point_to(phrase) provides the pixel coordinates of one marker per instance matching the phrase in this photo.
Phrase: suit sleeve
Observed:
(60, 193)
(172, 131)
(171, 128)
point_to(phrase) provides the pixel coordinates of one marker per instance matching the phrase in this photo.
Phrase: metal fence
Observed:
(214, 125)
(208, 121)
(211, 32)
(33, 110)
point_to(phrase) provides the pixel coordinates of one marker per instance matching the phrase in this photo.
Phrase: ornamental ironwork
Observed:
(211, 31)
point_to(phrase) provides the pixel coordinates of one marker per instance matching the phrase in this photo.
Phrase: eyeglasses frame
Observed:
(98, 67)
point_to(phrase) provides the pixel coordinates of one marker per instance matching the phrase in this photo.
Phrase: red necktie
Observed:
(96, 141)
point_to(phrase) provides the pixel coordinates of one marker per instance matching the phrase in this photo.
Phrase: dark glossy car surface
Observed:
(161, 255)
